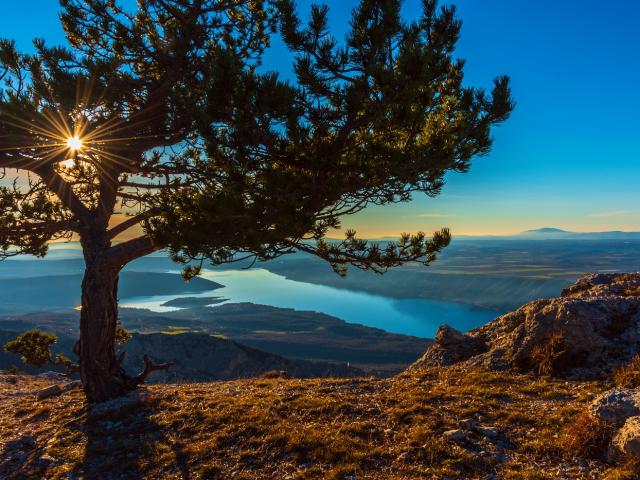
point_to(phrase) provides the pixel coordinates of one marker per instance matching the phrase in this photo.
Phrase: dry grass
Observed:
(628, 376)
(587, 436)
(304, 429)
(629, 470)
(544, 357)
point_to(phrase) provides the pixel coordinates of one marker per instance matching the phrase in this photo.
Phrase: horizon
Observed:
(556, 161)
(475, 236)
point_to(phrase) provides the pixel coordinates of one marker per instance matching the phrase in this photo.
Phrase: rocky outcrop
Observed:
(591, 328)
(450, 346)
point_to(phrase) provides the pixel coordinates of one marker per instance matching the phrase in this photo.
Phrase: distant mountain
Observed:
(547, 230)
(202, 357)
(550, 233)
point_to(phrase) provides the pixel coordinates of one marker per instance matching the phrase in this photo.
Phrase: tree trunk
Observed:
(100, 369)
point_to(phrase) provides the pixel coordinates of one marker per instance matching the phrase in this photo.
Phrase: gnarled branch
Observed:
(149, 366)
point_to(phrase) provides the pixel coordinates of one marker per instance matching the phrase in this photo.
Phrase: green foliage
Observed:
(216, 161)
(33, 346)
(122, 335)
(368, 122)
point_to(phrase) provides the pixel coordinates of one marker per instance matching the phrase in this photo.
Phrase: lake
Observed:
(418, 317)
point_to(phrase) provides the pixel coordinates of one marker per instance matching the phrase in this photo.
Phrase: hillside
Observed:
(282, 331)
(197, 357)
(435, 423)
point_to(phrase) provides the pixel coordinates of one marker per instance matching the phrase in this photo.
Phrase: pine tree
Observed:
(165, 114)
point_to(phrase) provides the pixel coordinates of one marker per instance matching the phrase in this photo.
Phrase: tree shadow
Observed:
(21, 459)
(123, 441)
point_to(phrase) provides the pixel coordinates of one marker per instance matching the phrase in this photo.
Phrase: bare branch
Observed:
(149, 366)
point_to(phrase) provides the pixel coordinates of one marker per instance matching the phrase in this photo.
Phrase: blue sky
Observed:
(567, 158)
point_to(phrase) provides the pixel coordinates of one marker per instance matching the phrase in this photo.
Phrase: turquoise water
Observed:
(417, 317)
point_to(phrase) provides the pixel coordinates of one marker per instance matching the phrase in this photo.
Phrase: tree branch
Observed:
(64, 192)
(149, 366)
(132, 222)
(122, 253)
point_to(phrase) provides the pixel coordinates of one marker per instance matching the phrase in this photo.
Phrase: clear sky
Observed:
(569, 155)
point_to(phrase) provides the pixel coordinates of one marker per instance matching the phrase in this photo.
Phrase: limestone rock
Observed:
(115, 405)
(451, 346)
(616, 406)
(456, 435)
(51, 391)
(626, 441)
(591, 328)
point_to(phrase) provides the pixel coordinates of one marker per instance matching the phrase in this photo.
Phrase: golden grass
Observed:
(306, 429)
(628, 376)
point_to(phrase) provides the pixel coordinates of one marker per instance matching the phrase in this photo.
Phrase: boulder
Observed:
(626, 442)
(590, 329)
(451, 346)
(616, 406)
(76, 384)
(51, 391)
(456, 435)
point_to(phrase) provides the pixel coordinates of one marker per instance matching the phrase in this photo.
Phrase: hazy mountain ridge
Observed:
(520, 269)
(195, 357)
(551, 233)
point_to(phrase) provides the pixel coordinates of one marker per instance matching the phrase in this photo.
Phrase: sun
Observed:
(74, 143)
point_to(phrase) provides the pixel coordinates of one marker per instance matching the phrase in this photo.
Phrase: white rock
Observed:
(616, 405)
(627, 440)
(119, 403)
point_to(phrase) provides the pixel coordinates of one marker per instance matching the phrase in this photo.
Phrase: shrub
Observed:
(544, 357)
(587, 436)
(122, 335)
(628, 376)
(33, 346)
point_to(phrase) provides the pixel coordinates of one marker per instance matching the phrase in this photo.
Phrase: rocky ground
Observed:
(432, 423)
